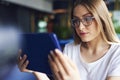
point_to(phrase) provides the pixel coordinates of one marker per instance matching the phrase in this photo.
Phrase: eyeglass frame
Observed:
(82, 20)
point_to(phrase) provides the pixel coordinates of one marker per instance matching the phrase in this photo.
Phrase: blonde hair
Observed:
(99, 10)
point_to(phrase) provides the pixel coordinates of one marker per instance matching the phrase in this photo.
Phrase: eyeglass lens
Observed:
(86, 21)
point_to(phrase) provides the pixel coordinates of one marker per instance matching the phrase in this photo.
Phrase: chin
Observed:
(85, 40)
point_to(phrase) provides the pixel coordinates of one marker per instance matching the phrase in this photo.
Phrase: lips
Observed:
(83, 33)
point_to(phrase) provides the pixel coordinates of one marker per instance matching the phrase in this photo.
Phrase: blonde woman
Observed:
(95, 52)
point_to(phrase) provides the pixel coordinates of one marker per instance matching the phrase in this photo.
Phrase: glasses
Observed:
(86, 21)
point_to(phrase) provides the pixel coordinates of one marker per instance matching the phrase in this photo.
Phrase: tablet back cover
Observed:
(37, 46)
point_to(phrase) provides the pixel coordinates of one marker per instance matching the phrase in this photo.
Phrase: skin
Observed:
(62, 67)
(93, 47)
(65, 68)
(22, 64)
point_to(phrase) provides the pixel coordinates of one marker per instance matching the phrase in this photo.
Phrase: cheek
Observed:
(96, 31)
(94, 28)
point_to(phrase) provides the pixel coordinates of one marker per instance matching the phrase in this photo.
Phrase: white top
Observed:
(108, 65)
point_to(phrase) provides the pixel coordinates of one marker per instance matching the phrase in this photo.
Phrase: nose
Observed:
(81, 26)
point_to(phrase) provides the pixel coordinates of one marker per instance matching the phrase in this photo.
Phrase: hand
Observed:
(62, 67)
(40, 76)
(23, 63)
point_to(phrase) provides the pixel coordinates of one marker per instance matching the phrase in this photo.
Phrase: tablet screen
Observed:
(37, 46)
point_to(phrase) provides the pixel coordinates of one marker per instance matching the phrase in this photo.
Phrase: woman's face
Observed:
(85, 25)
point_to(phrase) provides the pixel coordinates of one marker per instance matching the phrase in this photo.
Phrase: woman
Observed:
(95, 50)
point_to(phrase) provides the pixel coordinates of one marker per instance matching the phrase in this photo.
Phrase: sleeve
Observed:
(115, 67)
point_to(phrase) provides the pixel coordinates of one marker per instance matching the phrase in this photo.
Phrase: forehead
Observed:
(80, 11)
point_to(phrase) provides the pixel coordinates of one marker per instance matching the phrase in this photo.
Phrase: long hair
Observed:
(99, 10)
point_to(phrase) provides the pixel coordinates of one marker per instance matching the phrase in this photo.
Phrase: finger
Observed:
(63, 61)
(19, 55)
(56, 61)
(24, 67)
(54, 68)
(73, 66)
(21, 62)
(25, 64)
(52, 64)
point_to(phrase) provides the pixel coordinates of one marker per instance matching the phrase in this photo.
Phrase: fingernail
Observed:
(51, 52)
(51, 56)
(20, 57)
(25, 56)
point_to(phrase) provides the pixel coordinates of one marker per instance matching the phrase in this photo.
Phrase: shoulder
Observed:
(114, 69)
(116, 44)
(71, 45)
(114, 52)
(71, 48)
(115, 47)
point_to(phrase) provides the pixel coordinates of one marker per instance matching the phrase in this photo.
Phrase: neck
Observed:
(95, 45)
(94, 50)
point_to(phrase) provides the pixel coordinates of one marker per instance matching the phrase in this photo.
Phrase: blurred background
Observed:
(31, 16)
(38, 16)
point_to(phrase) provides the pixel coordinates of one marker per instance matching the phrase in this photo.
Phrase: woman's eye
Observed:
(87, 18)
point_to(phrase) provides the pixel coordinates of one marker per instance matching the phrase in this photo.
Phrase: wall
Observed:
(42, 5)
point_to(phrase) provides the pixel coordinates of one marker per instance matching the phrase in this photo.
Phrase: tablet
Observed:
(37, 46)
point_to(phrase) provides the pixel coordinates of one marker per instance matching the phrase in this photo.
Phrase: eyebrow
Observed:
(83, 15)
